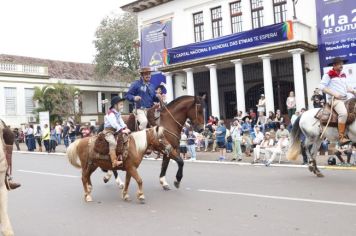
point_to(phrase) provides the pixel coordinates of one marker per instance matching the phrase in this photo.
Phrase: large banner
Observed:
(336, 21)
(153, 43)
(233, 42)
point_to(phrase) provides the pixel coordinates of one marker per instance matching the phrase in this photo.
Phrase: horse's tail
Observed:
(72, 154)
(295, 148)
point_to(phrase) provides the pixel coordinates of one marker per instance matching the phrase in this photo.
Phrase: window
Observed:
(10, 101)
(257, 13)
(216, 20)
(280, 10)
(236, 17)
(198, 26)
(29, 104)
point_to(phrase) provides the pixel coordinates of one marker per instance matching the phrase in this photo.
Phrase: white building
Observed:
(19, 76)
(235, 79)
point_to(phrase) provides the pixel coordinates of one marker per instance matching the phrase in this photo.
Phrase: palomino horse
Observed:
(138, 143)
(173, 116)
(4, 218)
(310, 127)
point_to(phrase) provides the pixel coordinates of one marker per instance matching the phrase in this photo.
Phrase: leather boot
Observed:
(342, 138)
(113, 157)
(10, 185)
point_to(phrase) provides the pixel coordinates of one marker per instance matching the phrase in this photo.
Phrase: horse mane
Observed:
(177, 100)
(140, 138)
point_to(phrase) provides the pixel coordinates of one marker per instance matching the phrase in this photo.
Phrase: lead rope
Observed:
(331, 112)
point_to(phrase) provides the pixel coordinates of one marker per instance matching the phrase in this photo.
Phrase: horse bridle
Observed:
(170, 114)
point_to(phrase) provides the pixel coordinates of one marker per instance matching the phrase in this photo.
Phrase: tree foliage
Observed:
(115, 45)
(58, 99)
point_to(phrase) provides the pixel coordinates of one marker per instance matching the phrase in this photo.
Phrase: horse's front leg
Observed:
(125, 195)
(4, 218)
(162, 176)
(312, 151)
(179, 174)
(137, 177)
(87, 190)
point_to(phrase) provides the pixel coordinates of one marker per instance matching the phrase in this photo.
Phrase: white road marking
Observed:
(48, 173)
(280, 197)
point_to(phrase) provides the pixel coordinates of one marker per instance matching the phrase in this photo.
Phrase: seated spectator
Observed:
(208, 138)
(281, 147)
(347, 150)
(317, 99)
(282, 132)
(269, 124)
(278, 119)
(253, 116)
(239, 116)
(261, 121)
(247, 142)
(220, 139)
(267, 142)
(183, 145)
(258, 136)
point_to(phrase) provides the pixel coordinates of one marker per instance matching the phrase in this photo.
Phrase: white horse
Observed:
(4, 218)
(310, 127)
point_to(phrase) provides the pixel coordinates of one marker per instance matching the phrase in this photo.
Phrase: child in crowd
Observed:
(191, 145)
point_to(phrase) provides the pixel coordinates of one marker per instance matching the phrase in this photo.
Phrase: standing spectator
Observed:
(228, 141)
(236, 139)
(317, 99)
(59, 130)
(282, 132)
(38, 137)
(191, 145)
(72, 132)
(53, 140)
(261, 105)
(31, 144)
(183, 145)
(220, 139)
(65, 135)
(17, 137)
(291, 104)
(85, 131)
(46, 137)
(207, 138)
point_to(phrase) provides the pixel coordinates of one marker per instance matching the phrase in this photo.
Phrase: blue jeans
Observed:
(58, 138)
(191, 150)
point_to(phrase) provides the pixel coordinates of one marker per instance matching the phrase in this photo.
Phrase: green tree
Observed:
(116, 47)
(58, 99)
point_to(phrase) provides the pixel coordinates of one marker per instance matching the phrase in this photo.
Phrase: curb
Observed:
(352, 168)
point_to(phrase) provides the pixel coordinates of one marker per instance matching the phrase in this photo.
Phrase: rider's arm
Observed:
(121, 123)
(112, 121)
(324, 86)
(130, 95)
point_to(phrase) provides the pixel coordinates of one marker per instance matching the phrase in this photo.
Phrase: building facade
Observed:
(19, 76)
(234, 79)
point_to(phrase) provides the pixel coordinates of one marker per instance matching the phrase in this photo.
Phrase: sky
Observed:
(53, 29)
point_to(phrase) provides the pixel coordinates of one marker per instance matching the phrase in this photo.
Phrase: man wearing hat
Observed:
(113, 123)
(334, 85)
(143, 94)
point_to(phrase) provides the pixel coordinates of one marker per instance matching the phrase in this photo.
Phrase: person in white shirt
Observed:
(267, 142)
(281, 147)
(235, 132)
(258, 136)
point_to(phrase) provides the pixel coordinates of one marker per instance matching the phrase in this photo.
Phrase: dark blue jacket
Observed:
(145, 91)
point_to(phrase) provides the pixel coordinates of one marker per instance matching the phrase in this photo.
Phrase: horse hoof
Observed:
(176, 184)
(121, 186)
(141, 198)
(126, 197)
(88, 198)
(311, 168)
(166, 187)
(319, 175)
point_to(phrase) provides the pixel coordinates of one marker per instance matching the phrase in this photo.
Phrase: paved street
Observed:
(214, 199)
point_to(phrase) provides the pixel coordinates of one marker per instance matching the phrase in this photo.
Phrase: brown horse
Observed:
(4, 218)
(138, 143)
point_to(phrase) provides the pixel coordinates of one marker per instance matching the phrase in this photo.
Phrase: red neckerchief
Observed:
(334, 74)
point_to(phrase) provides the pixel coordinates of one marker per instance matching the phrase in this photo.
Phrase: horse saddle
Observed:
(324, 113)
(101, 146)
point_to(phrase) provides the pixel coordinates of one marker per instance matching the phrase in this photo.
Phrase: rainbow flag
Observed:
(288, 30)
(165, 57)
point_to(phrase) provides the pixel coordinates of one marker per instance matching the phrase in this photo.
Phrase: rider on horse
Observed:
(114, 124)
(143, 94)
(334, 85)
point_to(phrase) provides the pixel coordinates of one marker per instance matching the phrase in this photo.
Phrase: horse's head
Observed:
(196, 113)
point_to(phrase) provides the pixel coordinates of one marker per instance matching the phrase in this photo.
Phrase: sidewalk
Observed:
(213, 156)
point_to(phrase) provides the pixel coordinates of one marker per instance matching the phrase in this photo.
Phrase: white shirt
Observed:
(259, 137)
(113, 120)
